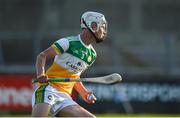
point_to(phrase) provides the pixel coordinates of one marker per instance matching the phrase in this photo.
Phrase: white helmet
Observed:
(89, 17)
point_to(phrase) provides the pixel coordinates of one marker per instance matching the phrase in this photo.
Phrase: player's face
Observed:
(102, 32)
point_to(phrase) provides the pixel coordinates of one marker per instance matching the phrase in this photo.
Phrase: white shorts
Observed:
(47, 94)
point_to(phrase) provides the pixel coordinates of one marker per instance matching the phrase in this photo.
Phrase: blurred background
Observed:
(143, 45)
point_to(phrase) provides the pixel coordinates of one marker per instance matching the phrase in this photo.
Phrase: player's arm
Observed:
(85, 94)
(58, 47)
(41, 62)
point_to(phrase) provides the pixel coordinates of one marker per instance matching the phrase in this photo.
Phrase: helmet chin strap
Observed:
(98, 40)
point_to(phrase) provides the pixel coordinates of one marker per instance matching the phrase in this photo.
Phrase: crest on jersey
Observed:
(89, 59)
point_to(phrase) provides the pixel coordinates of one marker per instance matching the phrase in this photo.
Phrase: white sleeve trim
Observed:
(64, 43)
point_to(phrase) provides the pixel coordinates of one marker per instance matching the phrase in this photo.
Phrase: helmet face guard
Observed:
(93, 17)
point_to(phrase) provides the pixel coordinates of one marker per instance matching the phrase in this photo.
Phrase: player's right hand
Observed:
(90, 98)
(42, 79)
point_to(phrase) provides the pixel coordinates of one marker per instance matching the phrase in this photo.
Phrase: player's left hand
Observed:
(90, 98)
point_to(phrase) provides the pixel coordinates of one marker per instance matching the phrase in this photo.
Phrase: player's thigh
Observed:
(75, 111)
(41, 109)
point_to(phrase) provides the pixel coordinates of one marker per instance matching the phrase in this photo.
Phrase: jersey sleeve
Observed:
(61, 45)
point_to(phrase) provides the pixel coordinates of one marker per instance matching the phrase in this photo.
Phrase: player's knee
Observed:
(40, 110)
